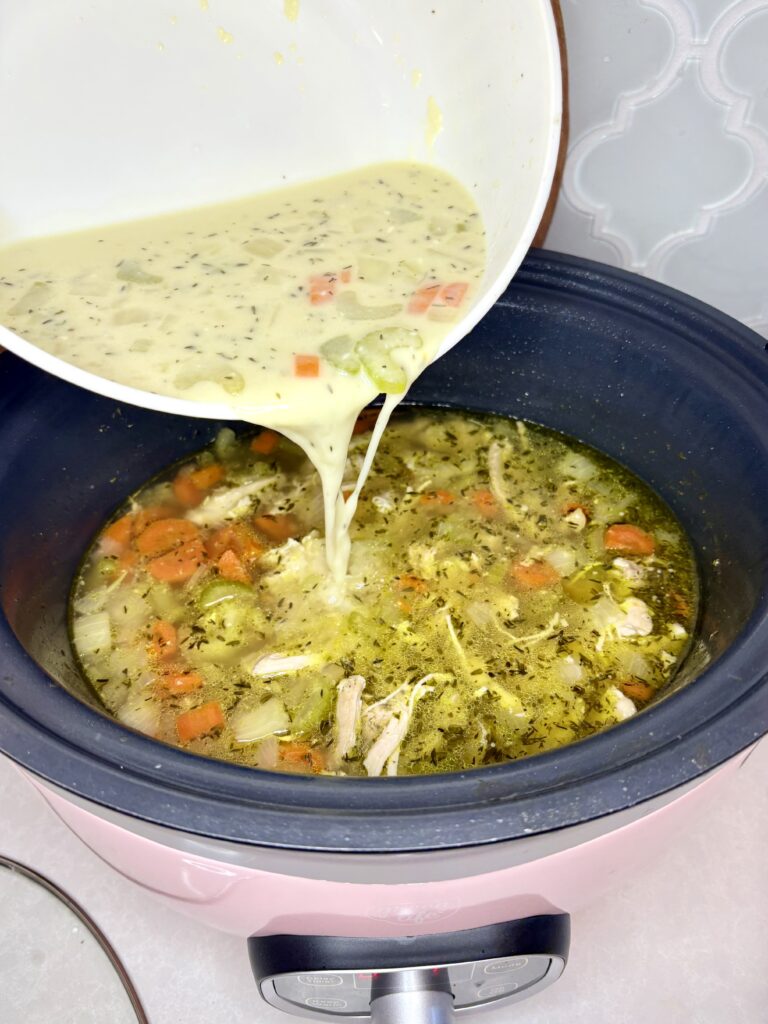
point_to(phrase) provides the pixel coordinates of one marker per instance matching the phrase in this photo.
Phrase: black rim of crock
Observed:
(59, 738)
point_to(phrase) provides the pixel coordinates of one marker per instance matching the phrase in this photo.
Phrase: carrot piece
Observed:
(637, 689)
(207, 476)
(365, 421)
(302, 756)
(628, 539)
(533, 575)
(322, 288)
(436, 499)
(306, 366)
(208, 718)
(277, 528)
(186, 492)
(485, 503)
(679, 604)
(423, 298)
(452, 294)
(164, 641)
(120, 531)
(165, 534)
(346, 275)
(127, 560)
(151, 514)
(231, 568)
(265, 442)
(414, 583)
(179, 564)
(172, 682)
(237, 537)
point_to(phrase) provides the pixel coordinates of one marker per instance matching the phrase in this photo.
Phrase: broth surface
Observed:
(509, 591)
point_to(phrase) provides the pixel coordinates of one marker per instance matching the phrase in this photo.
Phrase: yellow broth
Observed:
(509, 591)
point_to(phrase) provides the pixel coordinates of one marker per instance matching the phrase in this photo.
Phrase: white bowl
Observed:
(116, 111)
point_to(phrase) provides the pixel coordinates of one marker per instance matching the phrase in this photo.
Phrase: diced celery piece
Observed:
(388, 338)
(223, 590)
(384, 372)
(349, 307)
(225, 443)
(315, 706)
(374, 351)
(582, 589)
(340, 352)
(130, 270)
(107, 567)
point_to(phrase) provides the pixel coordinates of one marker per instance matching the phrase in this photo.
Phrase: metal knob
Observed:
(412, 997)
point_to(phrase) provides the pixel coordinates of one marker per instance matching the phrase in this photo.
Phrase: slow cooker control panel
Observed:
(428, 977)
(349, 993)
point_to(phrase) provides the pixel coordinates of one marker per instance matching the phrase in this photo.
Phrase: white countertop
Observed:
(686, 942)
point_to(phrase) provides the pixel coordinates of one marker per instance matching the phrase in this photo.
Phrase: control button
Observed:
(493, 991)
(514, 963)
(319, 980)
(325, 1003)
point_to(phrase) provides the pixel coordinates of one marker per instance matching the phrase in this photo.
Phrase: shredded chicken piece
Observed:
(349, 706)
(455, 640)
(636, 619)
(383, 503)
(625, 708)
(496, 474)
(227, 503)
(555, 624)
(394, 732)
(280, 664)
(628, 569)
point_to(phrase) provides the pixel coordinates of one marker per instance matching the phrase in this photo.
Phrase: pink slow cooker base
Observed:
(249, 901)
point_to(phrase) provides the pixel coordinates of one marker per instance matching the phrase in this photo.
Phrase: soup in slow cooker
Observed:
(509, 591)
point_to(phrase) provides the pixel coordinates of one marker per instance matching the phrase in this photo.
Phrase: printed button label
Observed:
(502, 966)
(320, 979)
(494, 991)
(320, 1003)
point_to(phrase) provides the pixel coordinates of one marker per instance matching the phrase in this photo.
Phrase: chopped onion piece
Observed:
(32, 299)
(140, 713)
(578, 467)
(264, 247)
(400, 216)
(562, 560)
(370, 268)
(92, 634)
(269, 754)
(130, 270)
(230, 380)
(267, 719)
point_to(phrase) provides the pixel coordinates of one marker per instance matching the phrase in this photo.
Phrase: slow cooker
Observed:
(412, 898)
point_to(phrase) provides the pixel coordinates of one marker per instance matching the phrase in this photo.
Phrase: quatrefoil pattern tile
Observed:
(667, 169)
